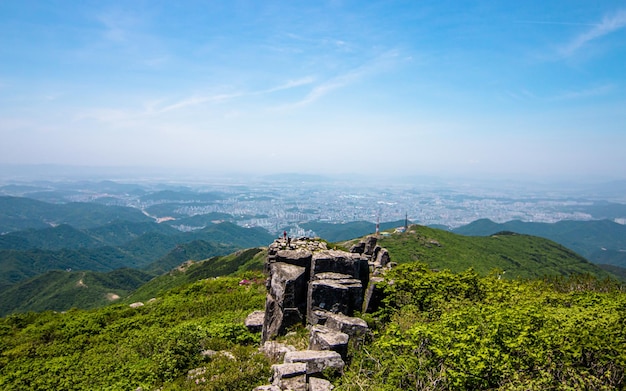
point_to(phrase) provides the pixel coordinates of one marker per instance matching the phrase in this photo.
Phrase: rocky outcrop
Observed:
(309, 283)
(304, 277)
(285, 304)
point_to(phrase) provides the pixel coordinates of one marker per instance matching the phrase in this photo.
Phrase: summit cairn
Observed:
(310, 284)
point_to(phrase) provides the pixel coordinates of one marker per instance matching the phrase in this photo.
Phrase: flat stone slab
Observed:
(254, 321)
(324, 338)
(317, 361)
(290, 376)
(298, 257)
(350, 325)
(317, 384)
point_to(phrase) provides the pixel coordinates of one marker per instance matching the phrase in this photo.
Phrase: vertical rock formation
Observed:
(308, 283)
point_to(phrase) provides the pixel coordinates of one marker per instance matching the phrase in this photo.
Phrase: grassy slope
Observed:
(151, 347)
(519, 255)
(241, 261)
(345, 231)
(600, 241)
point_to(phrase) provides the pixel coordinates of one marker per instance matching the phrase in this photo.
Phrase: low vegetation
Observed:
(518, 256)
(152, 346)
(447, 331)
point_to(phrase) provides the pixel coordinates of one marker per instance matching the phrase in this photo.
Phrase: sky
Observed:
(467, 88)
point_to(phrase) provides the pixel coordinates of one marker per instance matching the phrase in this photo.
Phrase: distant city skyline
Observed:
(465, 88)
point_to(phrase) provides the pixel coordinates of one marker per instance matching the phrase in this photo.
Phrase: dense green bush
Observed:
(122, 348)
(445, 331)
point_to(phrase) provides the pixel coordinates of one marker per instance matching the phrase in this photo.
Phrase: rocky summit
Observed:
(310, 284)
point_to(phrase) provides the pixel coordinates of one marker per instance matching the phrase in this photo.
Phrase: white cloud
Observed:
(608, 25)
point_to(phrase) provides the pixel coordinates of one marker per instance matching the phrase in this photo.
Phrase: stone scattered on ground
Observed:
(254, 321)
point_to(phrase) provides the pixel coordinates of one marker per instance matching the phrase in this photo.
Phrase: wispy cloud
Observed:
(584, 93)
(345, 79)
(161, 106)
(608, 25)
(197, 100)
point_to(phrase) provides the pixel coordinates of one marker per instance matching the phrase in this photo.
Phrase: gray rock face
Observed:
(290, 376)
(337, 295)
(325, 287)
(317, 361)
(254, 321)
(324, 338)
(382, 258)
(358, 248)
(373, 295)
(370, 245)
(285, 303)
(298, 257)
(351, 326)
(335, 261)
(317, 384)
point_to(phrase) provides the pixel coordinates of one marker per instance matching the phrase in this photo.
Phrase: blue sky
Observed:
(466, 88)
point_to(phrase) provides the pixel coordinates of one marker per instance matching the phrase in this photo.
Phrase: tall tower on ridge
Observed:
(378, 224)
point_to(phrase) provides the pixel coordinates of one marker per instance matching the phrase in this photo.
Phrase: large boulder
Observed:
(290, 376)
(324, 338)
(317, 384)
(370, 245)
(358, 248)
(317, 361)
(352, 326)
(254, 321)
(285, 303)
(382, 258)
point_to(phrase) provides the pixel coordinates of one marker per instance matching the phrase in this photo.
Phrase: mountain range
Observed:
(58, 256)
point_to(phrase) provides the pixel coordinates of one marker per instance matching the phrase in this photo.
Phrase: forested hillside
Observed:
(600, 241)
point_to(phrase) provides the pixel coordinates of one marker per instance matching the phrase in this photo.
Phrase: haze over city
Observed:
(529, 89)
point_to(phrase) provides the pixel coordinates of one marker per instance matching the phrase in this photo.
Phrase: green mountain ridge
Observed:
(337, 232)
(60, 290)
(147, 242)
(511, 255)
(600, 241)
(518, 256)
(17, 213)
